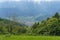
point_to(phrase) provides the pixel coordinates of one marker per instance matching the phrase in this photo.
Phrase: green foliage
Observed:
(51, 26)
(57, 15)
(11, 27)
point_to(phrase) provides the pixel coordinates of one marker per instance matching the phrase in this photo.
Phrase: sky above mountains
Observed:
(29, 10)
(31, 7)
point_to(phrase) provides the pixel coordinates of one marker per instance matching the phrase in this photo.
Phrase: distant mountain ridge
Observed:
(10, 22)
(29, 11)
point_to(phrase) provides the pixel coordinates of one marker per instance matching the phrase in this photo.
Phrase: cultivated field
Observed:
(15, 37)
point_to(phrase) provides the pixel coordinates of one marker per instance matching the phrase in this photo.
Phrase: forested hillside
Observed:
(9, 26)
(50, 26)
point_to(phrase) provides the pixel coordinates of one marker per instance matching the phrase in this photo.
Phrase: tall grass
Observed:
(18, 37)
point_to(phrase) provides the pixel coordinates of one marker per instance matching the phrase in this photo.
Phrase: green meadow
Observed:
(18, 37)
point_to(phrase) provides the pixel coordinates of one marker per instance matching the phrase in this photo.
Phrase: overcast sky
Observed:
(35, 1)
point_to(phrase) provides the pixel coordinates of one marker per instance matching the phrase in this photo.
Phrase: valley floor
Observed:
(17, 37)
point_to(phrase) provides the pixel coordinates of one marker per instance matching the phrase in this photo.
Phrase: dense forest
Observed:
(50, 26)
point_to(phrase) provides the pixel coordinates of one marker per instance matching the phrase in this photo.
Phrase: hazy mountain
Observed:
(29, 12)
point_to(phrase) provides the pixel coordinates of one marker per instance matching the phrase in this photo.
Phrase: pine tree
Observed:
(56, 15)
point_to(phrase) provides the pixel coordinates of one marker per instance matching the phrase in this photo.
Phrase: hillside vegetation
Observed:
(50, 26)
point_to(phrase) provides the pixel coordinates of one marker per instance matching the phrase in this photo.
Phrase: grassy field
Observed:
(3, 37)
